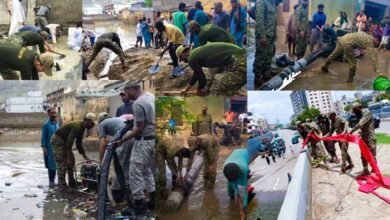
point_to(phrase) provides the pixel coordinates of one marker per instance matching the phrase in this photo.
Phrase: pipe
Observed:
(277, 81)
(182, 190)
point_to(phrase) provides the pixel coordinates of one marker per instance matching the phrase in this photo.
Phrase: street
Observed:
(384, 126)
(271, 182)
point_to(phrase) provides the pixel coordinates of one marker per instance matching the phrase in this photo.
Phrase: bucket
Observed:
(382, 83)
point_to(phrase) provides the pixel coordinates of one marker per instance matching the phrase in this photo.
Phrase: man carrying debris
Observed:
(210, 33)
(110, 41)
(41, 17)
(167, 149)
(175, 38)
(203, 123)
(367, 128)
(301, 21)
(340, 125)
(265, 32)
(211, 55)
(17, 58)
(209, 146)
(346, 46)
(315, 146)
(143, 152)
(49, 128)
(62, 142)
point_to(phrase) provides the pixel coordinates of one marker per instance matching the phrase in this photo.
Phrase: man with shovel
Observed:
(211, 55)
(175, 38)
(110, 41)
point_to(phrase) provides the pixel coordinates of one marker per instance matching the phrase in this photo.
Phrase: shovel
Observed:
(155, 68)
(179, 70)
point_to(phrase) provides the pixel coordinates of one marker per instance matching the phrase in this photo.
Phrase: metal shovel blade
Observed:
(154, 69)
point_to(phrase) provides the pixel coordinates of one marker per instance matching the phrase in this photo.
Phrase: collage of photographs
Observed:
(195, 109)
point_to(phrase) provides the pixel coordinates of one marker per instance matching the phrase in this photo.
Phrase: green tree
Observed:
(348, 108)
(149, 3)
(308, 113)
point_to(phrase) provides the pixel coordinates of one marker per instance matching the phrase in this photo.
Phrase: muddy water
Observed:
(312, 77)
(210, 204)
(126, 33)
(22, 165)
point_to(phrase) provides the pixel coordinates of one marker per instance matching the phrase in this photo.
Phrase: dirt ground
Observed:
(336, 196)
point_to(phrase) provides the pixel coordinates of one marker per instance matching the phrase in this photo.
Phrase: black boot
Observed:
(140, 208)
(152, 199)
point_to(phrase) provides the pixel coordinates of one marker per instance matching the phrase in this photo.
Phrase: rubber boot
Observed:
(152, 200)
(351, 74)
(140, 208)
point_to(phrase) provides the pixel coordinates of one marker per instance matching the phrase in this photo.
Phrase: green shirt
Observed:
(31, 39)
(213, 33)
(214, 55)
(71, 132)
(179, 20)
(19, 58)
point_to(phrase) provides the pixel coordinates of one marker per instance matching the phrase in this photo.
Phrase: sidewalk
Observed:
(336, 196)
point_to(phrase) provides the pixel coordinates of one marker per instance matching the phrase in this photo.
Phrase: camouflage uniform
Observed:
(203, 124)
(141, 160)
(367, 127)
(166, 150)
(329, 145)
(316, 147)
(233, 80)
(301, 21)
(266, 13)
(346, 45)
(207, 144)
(106, 43)
(16, 40)
(340, 125)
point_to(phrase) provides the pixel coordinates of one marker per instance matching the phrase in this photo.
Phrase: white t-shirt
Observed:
(242, 116)
(139, 30)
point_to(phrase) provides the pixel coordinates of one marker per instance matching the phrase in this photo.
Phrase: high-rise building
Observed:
(322, 100)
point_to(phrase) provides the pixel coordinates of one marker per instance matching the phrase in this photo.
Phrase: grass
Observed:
(383, 138)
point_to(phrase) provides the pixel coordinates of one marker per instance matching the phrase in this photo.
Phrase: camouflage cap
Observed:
(47, 61)
(90, 116)
(192, 24)
(308, 120)
(356, 105)
(331, 113)
(102, 116)
(298, 123)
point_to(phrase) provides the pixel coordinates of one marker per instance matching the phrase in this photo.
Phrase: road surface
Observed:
(270, 181)
(384, 126)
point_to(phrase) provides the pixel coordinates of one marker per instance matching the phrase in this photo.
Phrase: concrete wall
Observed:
(22, 120)
(297, 202)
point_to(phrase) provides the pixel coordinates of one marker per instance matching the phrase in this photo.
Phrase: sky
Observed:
(276, 107)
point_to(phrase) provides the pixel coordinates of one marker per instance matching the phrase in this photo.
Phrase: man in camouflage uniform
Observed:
(324, 126)
(266, 17)
(62, 142)
(209, 146)
(167, 149)
(367, 128)
(111, 41)
(203, 123)
(346, 45)
(316, 148)
(301, 21)
(340, 125)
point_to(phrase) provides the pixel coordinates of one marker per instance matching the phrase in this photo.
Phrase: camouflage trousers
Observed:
(210, 163)
(317, 150)
(41, 21)
(263, 58)
(371, 144)
(344, 154)
(141, 162)
(301, 45)
(105, 43)
(343, 49)
(124, 153)
(233, 80)
(61, 155)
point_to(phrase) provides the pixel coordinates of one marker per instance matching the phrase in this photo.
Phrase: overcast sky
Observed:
(276, 106)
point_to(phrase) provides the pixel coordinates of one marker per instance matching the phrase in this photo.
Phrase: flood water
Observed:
(28, 196)
(210, 204)
(313, 78)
